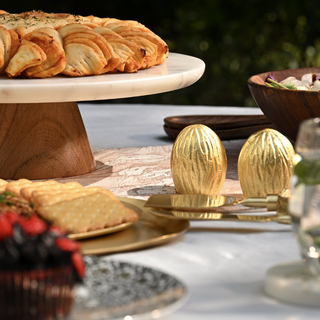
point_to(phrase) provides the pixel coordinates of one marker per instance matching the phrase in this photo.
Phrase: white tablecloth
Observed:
(223, 264)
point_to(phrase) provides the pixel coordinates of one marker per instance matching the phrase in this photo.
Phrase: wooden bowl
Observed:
(284, 108)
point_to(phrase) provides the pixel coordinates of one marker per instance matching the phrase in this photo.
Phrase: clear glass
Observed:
(304, 203)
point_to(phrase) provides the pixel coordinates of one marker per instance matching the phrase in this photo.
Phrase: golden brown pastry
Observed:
(40, 55)
(87, 52)
(135, 29)
(29, 55)
(5, 47)
(150, 50)
(36, 44)
(50, 42)
(15, 43)
(131, 54)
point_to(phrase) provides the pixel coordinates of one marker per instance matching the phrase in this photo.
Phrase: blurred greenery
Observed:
(236, 39)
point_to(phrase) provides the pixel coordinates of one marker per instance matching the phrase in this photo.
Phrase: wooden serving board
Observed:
(216, 122)
(231, 133)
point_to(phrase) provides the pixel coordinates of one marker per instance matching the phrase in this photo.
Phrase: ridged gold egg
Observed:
(265, 164)
(198, 161)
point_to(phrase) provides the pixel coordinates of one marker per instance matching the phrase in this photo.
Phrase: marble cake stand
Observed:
(42, 135)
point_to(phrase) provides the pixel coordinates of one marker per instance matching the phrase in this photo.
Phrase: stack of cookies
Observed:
(70, 206)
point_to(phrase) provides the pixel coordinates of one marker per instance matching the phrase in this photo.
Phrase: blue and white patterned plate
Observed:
(120, 290)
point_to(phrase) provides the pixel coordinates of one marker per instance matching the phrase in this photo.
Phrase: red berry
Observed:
(33, 226)
(67, 244)
(56, 230)
(78, 264)
(12, 216)
(5, 228)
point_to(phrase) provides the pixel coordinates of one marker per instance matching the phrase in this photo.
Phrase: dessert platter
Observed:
(42, 132)
(100, 221)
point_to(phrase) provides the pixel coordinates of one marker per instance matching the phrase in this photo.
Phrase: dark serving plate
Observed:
(227, 127)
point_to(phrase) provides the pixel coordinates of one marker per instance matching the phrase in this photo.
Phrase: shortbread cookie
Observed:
(17, 185)
(27, 191)
(46, 198)
(88, 213)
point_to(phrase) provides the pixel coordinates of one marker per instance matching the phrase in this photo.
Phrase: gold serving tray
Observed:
(148, 231)
(101, 232)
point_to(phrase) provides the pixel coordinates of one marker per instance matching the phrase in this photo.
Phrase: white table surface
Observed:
(223, 264)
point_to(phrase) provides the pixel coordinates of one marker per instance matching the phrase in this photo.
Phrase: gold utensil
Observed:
(196, 202)
(173, 214)
(218, 203)
(272, 202)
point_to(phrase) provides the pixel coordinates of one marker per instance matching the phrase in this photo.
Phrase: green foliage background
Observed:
(236, 39)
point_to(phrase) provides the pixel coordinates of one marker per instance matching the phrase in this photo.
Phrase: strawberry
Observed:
(12, 216)
(78, 264)
(67, 244)
(33, 226)
(5, 228)
(56, 230)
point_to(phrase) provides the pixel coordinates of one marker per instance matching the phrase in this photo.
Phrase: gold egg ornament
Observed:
(198, 161)
(265, 164)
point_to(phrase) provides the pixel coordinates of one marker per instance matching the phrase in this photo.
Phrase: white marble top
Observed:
(177, 72)
(223, 264)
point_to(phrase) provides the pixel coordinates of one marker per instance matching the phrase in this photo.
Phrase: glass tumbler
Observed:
(304, 203)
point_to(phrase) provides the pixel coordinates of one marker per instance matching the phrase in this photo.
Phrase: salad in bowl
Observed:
(308, 82)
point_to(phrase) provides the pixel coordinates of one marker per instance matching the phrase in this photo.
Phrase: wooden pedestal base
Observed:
(43, 141)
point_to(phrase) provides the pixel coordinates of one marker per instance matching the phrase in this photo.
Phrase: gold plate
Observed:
(101, 232)
(148, 231)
